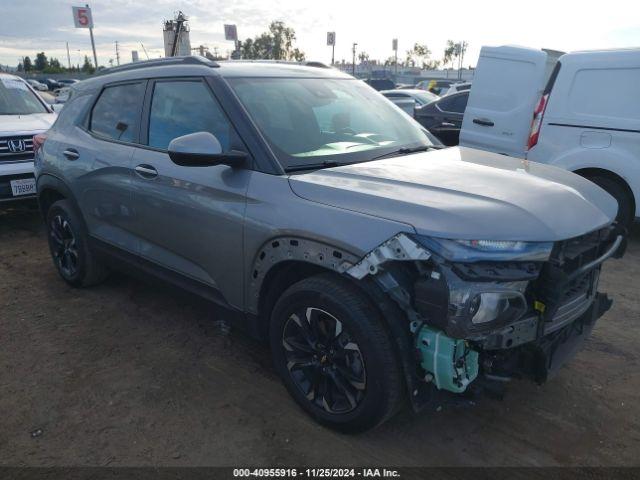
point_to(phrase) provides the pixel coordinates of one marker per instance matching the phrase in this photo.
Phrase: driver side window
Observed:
(186, 106)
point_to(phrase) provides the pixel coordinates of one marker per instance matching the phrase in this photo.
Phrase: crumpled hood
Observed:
(464, 193)
(25, 124)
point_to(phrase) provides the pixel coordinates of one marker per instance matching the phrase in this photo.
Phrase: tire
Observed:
(622, 195)
(69, 248)
(361, 385)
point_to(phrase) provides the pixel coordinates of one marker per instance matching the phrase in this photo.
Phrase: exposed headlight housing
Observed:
(482, 250)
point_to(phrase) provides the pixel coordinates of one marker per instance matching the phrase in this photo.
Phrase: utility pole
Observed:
(394, 44)
(117, 54)
(353, 50)
(93, 44)
(68, 56)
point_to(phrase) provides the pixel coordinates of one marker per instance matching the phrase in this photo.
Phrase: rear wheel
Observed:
(622, 195)
(334, 355)
(69, 249)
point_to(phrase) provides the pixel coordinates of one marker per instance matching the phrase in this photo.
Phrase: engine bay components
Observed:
(450, 363)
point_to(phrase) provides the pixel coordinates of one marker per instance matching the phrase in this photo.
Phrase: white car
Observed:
(36, 85)
(457, 87)
(23, 114)
(409, 99)
(586, 119)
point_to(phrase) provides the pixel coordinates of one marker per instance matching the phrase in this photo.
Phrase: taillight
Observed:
(38, 142)
(536, 123)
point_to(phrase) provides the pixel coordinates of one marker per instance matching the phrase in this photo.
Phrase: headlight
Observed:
(480, 250)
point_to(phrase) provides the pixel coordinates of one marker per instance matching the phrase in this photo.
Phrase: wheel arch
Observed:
(282, 261)
(589, 172)
(50, 190)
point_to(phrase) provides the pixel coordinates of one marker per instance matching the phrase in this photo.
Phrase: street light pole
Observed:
(93, 44)
(354, 58)
(68, 56)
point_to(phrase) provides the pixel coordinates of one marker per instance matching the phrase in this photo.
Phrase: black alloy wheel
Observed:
(63, 246)
(324, 361)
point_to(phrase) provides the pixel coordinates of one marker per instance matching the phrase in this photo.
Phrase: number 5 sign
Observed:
(82, 17)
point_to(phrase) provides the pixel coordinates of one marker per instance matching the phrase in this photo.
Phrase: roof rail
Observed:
(183, 60)
(305, 63)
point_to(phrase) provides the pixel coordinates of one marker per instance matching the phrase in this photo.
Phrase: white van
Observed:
(580, 111)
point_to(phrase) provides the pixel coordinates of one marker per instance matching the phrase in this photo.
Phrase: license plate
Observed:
(25, 186)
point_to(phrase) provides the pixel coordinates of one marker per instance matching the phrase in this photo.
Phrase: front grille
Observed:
(566, 298)
(16, 148)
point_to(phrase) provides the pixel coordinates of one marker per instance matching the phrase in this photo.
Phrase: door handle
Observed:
(447, 124)
(485, 122)
(146, 171)
(71, 154)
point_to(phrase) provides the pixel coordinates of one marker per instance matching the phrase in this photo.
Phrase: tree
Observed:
(41, 62)
(449, 52)
(275, 44)
(28, 66)
(20, 67)
(363, 57)
(419, 56)
(87, 66)
(54, 66)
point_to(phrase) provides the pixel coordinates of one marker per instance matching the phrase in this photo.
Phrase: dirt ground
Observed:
(129, 373)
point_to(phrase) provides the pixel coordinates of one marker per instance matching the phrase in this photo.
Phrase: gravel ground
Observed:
(129, 373)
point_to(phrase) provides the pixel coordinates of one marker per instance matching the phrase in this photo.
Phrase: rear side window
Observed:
(454, 103)
(116, 114)
(182, 107)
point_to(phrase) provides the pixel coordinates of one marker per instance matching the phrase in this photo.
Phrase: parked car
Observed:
(36, 85)
(408, 100)
(421, 97)
(439, 87)
(443, 118)
(381, 83)
(379, 266)
(458, 87)
(23, 114)
(586, 119)
(62, 94)
(67, 81)
(50, 83)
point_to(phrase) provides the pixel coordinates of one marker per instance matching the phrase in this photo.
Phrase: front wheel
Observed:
(334, 355)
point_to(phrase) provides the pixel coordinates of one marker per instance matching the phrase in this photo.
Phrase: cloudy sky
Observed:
(30, 26)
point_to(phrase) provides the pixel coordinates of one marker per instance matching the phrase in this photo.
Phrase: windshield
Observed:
(17, 99)
(311, 121)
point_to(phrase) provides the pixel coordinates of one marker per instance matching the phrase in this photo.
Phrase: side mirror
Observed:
(202, 149)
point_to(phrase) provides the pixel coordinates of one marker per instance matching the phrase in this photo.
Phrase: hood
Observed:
(26, 124)
(464, 193)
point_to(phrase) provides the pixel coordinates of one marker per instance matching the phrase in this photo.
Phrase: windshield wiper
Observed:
(407, 150)
(314, 166)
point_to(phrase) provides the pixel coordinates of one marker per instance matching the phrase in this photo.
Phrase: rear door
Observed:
(507, 84)
(98, 157)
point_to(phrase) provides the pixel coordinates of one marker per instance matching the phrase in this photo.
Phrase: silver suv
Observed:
(381, 267)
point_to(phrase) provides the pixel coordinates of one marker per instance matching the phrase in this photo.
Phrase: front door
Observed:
(189, 220)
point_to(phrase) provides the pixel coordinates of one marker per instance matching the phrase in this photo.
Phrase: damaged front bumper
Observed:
(492, 320)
